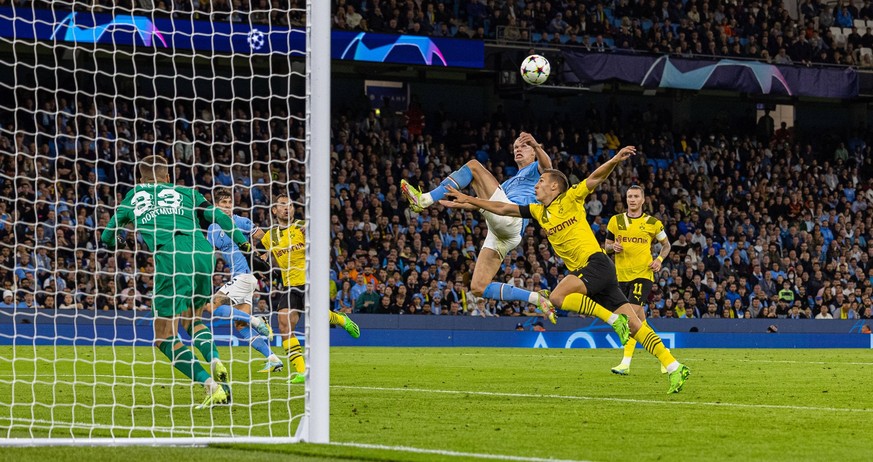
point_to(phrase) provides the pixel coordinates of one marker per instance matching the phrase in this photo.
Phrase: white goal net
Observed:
(222, 91)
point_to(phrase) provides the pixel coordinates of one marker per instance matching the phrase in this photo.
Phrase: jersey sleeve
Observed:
(578, 192)
(533, 211)
(658, 230)
(611, 229)
(244, 225)
(123, 216)
(266, 240)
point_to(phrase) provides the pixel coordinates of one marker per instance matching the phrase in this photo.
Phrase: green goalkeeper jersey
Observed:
(164, 213)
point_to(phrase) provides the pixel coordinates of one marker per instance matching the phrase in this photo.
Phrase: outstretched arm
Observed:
(463, 201)
(544, 162)
(602, 172)
(110, 235)
(214, 215)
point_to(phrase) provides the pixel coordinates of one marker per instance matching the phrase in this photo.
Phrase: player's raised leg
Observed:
(459, 179)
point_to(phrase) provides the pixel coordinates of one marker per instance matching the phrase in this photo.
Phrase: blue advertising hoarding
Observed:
(407, 49)
(231, 37)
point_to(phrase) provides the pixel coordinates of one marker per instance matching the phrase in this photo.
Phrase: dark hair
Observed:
(222, 194)
(153, 168)
(640, 188)
(560, 178)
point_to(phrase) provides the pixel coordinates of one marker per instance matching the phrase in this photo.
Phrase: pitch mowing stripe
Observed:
(440, 452)
(606, 398)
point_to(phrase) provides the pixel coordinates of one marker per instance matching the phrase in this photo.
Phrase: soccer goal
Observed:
(233, 100)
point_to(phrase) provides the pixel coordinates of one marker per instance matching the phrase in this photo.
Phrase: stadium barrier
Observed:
(97, 328)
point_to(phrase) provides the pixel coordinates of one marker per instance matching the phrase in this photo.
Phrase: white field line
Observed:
(609, 399)
(766, 361)
(439, 452)
(60, 425)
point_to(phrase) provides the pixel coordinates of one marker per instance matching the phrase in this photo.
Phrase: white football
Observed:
(535, 69)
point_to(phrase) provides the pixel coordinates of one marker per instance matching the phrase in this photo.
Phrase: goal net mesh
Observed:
(87, 89)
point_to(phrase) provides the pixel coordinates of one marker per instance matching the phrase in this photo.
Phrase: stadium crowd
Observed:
(761, 225)
(820, 33)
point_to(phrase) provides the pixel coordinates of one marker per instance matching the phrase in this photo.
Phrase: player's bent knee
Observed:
(556, 299)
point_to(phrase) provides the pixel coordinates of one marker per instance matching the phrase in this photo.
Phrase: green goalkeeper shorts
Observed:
(183, 277)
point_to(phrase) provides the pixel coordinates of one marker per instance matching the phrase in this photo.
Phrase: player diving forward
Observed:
(504, 233)
(168, 219)
(630, 236)
(240, 290)
(560, 211)
(288, 246)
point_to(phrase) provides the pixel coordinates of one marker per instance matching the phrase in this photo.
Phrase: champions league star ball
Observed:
(535, 69)
(256, 39)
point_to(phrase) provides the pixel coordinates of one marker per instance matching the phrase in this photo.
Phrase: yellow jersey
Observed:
(288, 246)
(636, 236)
(566, 224)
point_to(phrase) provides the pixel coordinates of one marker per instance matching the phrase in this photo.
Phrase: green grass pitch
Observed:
(419, 404)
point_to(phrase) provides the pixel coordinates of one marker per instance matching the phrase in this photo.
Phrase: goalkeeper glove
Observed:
(245, 247)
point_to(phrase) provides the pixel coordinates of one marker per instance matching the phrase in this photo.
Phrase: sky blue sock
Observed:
(256, 341)
(459, 179)
(226, 311)
(500, 291)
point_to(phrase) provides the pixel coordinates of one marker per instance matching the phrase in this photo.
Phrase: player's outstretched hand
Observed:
(625, 153)
(528, 139)
(459, 200)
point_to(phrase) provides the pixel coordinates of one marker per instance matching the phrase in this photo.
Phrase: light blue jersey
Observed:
(229, 251)
(520, 188)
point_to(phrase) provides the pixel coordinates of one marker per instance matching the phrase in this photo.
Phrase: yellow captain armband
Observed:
(660, 258)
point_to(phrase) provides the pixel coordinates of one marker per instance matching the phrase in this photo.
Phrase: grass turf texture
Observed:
(564, 404)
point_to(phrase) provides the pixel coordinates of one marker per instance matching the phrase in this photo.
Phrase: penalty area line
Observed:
(442, 452)
(610, 399)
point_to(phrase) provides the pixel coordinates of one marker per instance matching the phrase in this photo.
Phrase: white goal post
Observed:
(85, 92)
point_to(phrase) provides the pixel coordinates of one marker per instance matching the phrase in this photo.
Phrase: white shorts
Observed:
(240, 289)
(504, 233)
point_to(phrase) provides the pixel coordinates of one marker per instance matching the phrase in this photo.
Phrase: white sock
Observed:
(256, 321)
(426, 200)
(533, 297)
(625, 361)
(210, 385)
(612, 318)
(672, 367)
(273, 358)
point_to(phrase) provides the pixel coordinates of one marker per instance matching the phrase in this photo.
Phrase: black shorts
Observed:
(601, 282)
(637, 291)
(288, 298)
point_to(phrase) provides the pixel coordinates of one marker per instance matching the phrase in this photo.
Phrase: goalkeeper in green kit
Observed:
(169, 218)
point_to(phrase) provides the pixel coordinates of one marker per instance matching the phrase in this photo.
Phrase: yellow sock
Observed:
(629, 348)
(653, 344)
(337, 320)
(295, 354)
(583, 304)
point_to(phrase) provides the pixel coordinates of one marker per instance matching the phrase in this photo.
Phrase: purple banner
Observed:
(751, 77)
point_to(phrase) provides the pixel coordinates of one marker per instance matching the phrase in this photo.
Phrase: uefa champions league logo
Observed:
(256, 39)
(141, 25)
(359, 51)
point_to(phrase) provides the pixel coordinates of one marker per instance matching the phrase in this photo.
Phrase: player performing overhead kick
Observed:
(504, 233)
(561, 212)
